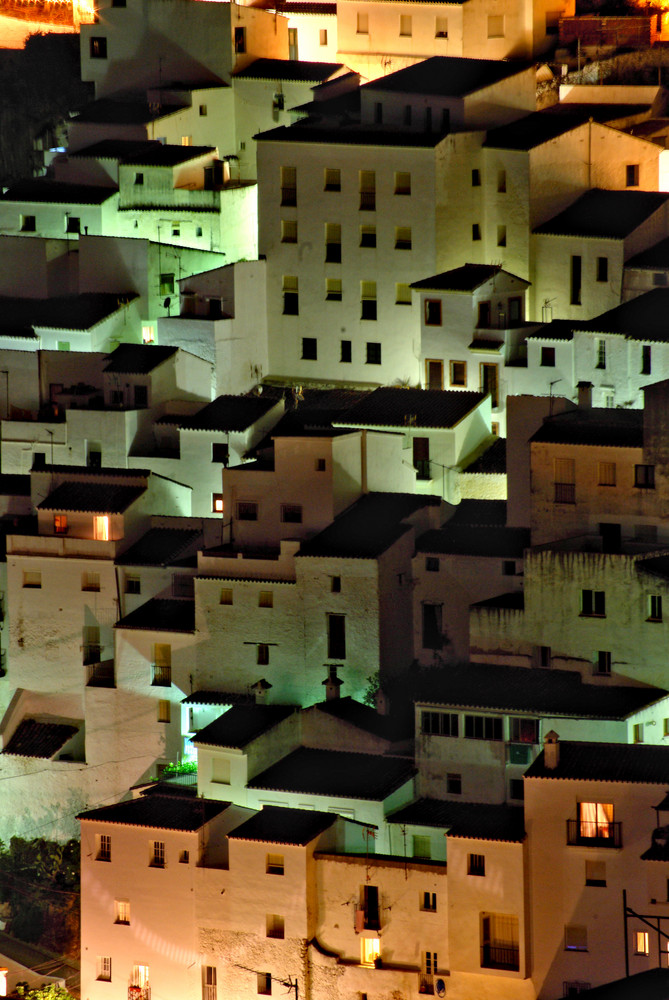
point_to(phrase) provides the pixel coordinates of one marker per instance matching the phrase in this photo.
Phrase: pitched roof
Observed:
(605, 214)
(532, 130)
(159, 811)
(39, 739)
(475, 540)
(361, 716)
(448, 76)
(73, 312)
(655, 258)
(161, 614)
(595, 426)
(641, 318)
(366, 529)
(304, 7)
(97, 498)
(278, 825)
(14, 484)
(138, 359)
(107, 111)
(402, 408)
(42, 189)
(477, 821)
(491, 461)
(217, 698)
(525, 689)
(242, 724)
(513, 601)
(289, 69)
(160, 154)
(479, 512)
(350, 133)
(112, 149)
(466, 278)
(336, 772)
(653, 984)
(654, 566)
(636, 763)
(229, 413)
(159, 547)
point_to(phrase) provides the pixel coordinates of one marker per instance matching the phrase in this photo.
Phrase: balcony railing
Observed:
(139, 993)
(500, 956)
(589, 833)
(208, 992)
(101, 675)
(426, 983)
(161, 676)
(565, 493)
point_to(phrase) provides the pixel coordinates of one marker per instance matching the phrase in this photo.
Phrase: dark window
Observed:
(73, 224)
(603, 662)
(432, 628)
(432, 564)
(220, 452)
(262, 654)
(291, 513)
(240, 40)
(645, 359)
(336, 637)
(345, 355)
(98, 47)
(247, 511)
(454, 784)
(421, 457)
(439, 723)
(432, 312)
(476, 864)
(575, 285)
(548, 357)
(291, 303)
(632, 175)
(368, 309)
(166, 284)
(523, 730)
(335, 584)
(265, 983)
(139, 178)
(484, 314)
(476, 178)
(370, 902)
(483, 727)
(378, 112)
(458, 372)
(429, 902)
(141, 396)
(28, 223)
(644, 476)
(476, 231)
(508, 567)
(517, 788)
(593, 603)
(373, 353)
(368, 236)
(602, 269)
(309, 349)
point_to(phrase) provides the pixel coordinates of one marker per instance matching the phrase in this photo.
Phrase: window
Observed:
(660, 279)
(499, 941)
(645, 359)
(345, 351)
(290, 295)
(332, 243)
(293, 52)
(370, 951)
(72, 223)
(501, 181)
(240, 40)
(408, 113)
(606, 473)
(403, 240)
(265, 983)
(632, 175)
(490, 383)
(60, 524)
(641, 943)
(140, 976)
(332, 179)
(92, 650)
(274, 925)
(548, 357)
(288, 231)
(336, 627)
(428, 902)
(371, 912)
(323, 36)
(367, 236)
(402, 182)
(309, 349)
(593, 604)
(166, 284)
(441, 27)
(274, 864)
(164, 711)
(220, 452)
(288, 176)
(209, 982)
(603, 662)
(421, 846)
(602, 269)
(161, 668)
(430, 963)
(217, 503)
(32, 580)
(90, 581)
(368, 300)
(508, 567)
(495, 26)
(553, 21)
(454, 784)
(600, 354)
(133, 584)
(432, 628)
(595, 822)
(476, 232)
(104, 968)
(226, 596)
(476, 178)
(121, 911)
(333, 290)
(501, 236)
(148, 334)
(320, 465)
(405, 25)
(523, 730)
(432, 564)
(483, 727)
(378, 113)
(575, 938)
(104, 848)
(98, 47)
(476, 864)
(184, 857)
(266, 599)
(247, 511)
(291, 513)
(575, 280)
(564, 472)
(367, 180)
(439, 723)
(458, 373)
(432, 310)
(434, 374)
(157, 854)
(262, 654)
(644, 476)
(203, 110)
(28, 224)
(362, 24)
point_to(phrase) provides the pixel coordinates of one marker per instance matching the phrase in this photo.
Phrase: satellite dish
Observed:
(166, 303)
(441, 988)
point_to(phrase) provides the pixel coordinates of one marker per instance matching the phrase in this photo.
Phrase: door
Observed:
(435, 374)
(489, 383)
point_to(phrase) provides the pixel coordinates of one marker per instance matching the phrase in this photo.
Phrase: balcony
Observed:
(161, 676)
(565, 493)
(426, 983)
(586, 833)
(100, 675)
(519, 753)
(139, 993)
(500, 956)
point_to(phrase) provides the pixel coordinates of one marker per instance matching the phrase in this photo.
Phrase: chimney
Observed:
(259, 691)
(584, 395)
(551, 750)
(332, 684)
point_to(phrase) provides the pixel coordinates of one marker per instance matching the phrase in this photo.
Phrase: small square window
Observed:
(309, 349)
(220, 452)
(548, 357)
(458, 373)
(432, 564)
(595, 873)
(247, 511)
(266, 599)
(495, 26)
(288, 231)
(593, 603)
(373, 353)
(28, 223)
(454, 784)
(274, 925)
(644, 476)
(403, 238)
(166, 284)
(72, 223)
(402, 182)
(428, 902)
(332, 179)
(90, 581)
(368, 236)
(421, 846)
(508, 567)
(133, 584)
(32, 580)
(402, 294)
(274, 864)
(139, 178)
(320, 465)
(476, 864)
(217, 503)
(226, 596)
(333, 290)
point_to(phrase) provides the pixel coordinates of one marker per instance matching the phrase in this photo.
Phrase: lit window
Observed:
(274, 864)
(101, 528)
(595, 821)
(370, 950)
(217, 503)
(499, 941)
(60, 524)
(148, 334)
(641, 943)
(32, 580)
(274, 924)
(122, 911)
